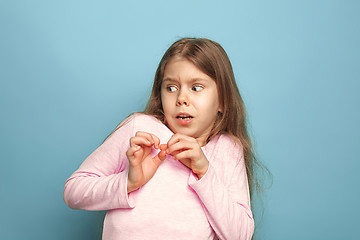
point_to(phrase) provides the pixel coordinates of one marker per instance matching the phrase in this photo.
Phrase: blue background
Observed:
(72, 70)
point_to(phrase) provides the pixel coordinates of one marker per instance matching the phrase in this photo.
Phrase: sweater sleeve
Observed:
(100, 183)
(224, 193)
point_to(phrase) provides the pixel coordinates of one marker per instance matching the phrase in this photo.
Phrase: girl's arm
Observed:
(221, 183)
(100, 183)
(227, 206)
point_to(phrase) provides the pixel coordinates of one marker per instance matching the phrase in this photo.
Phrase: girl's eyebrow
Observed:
(167, 79)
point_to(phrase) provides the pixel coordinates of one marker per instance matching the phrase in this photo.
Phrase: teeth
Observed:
(184, 117)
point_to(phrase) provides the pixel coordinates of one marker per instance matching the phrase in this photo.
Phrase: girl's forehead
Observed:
(183, 69)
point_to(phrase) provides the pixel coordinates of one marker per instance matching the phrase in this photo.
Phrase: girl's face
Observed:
(189, 99)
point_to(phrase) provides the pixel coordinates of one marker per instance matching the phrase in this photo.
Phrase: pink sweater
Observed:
(174, 204)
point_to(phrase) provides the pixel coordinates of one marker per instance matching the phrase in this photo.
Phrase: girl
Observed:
(182, 168)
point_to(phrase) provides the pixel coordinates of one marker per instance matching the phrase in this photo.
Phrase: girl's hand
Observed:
(142, 166)
(188, 151)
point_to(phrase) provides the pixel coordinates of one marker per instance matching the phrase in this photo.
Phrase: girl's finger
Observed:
(174, 138)
(180, 137)
(162, 155)
(156, 141)
(137, 141)
(144, 135)
(150, 137)
(163, 147)
(186, 154)
(132, 151)
(179, 146)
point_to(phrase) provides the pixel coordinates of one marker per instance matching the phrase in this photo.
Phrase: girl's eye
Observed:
(171, 88)
(197, 88)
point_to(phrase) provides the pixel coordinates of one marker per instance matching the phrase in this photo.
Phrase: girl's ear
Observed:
(220, 110)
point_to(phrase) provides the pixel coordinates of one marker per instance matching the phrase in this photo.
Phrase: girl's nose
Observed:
(182, 99)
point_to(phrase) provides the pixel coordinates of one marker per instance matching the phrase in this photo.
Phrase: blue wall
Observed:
(70, 71)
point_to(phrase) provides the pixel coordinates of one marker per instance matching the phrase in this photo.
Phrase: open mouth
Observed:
(184, 117)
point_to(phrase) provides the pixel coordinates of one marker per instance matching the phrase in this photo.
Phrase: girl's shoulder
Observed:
(136, 122)
(129, 123)
(148, 123)
(142, 117)
(225, 145)
(138, 118)
(142, 120)
(225, 140)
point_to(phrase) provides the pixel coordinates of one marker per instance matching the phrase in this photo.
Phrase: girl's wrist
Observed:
(200, 174)
(131, 186)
